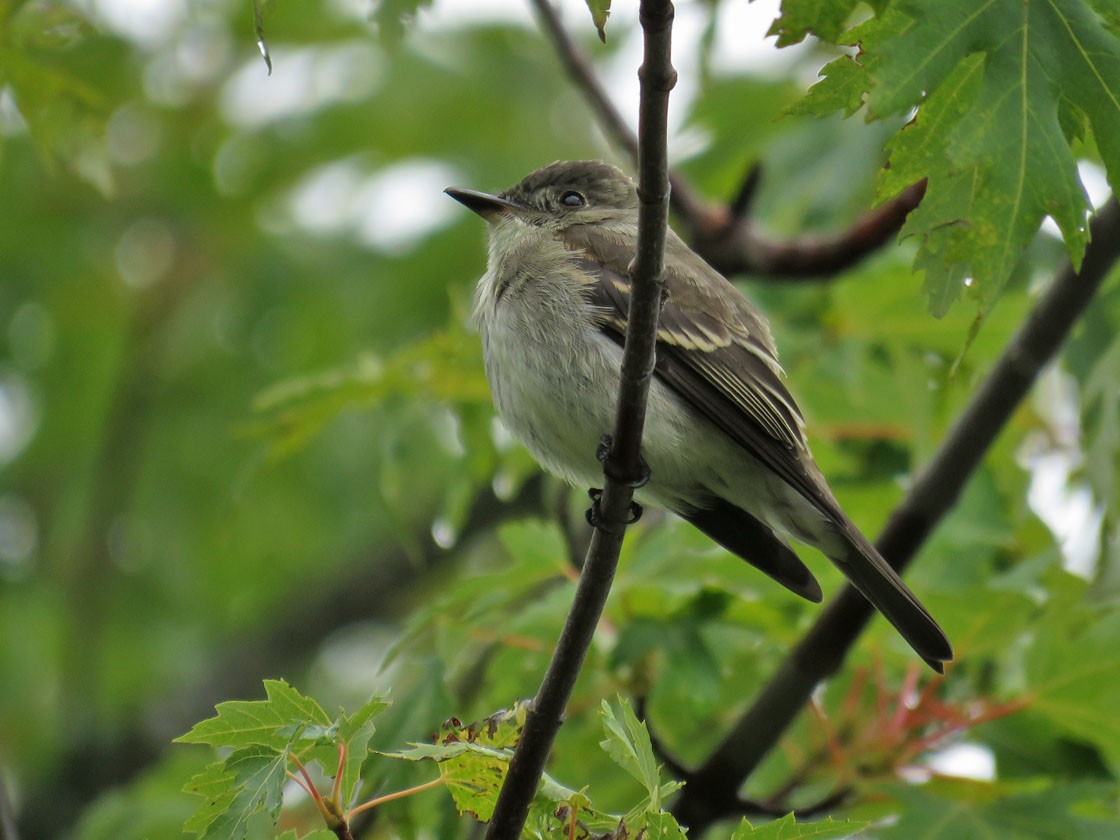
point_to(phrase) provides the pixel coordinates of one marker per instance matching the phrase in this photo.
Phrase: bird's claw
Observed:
(595, 515)
(635, 512)
(603, 455)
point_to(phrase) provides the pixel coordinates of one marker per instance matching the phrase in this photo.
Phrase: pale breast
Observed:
(554, 374)
(549, 376)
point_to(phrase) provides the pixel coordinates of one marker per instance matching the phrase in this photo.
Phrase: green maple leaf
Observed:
(264, 734)
(788, 828)
(355, 731)
(826, 18)
(948, 808)
(274, 722)
(215, 785)
(628, 744)
(1001, 88)
(1079, 696)
(842, 87)
(249, 782)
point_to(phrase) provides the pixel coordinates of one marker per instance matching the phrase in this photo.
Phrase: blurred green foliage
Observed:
(244, 431)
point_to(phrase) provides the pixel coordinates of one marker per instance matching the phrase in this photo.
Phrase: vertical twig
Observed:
(623, 465)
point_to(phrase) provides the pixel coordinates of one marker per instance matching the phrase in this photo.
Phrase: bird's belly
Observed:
(559, 404)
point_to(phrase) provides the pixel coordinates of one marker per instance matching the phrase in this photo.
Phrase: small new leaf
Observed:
(600, 11)
(628, 744)
(662, 826)
(264, 734)
(355, 732)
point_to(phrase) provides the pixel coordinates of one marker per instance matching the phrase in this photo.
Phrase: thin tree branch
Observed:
(723, 235)
(743, 200)
(712, 790)
(623, 467)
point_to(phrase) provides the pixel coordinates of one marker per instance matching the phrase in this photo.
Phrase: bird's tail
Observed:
(868, 572)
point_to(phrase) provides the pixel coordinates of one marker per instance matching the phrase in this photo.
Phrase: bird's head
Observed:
(559, 195)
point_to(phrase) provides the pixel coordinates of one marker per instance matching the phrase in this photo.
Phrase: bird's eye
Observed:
(572, 199)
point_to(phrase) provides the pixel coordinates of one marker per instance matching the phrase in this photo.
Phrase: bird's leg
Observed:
(603, 454)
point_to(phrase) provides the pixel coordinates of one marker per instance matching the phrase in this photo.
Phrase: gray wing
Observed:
(726, 367)
(714, 351)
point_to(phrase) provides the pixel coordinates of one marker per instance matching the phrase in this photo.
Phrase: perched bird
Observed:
(724, 441)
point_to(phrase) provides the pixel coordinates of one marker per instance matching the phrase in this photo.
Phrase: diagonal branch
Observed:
(712, 790)
(623, 465)
(734, 246)
(722, 235)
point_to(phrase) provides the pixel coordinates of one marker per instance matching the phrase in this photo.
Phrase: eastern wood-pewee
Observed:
(724, 440)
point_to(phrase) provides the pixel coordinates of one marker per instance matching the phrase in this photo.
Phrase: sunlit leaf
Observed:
(600, 11)
(272, 723)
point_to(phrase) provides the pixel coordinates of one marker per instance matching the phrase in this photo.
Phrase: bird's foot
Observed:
(603, 455)
(595, 515)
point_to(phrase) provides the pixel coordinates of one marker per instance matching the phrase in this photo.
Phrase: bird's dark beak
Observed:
(486, 205)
